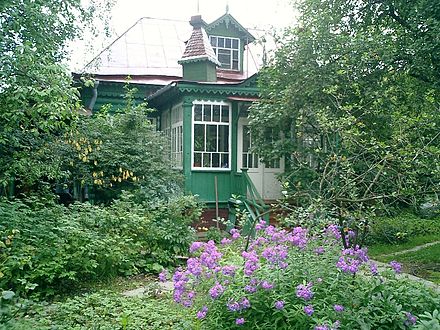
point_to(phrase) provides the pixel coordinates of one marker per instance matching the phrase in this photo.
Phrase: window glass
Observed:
(211, 135)
(226, 50)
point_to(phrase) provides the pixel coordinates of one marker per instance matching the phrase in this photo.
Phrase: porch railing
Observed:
(250, 203)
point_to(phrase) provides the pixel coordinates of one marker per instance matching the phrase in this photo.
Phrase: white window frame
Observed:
(172, 127)
(229, 124)
(216, 48)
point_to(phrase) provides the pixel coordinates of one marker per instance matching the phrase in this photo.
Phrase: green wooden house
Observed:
(202, 82)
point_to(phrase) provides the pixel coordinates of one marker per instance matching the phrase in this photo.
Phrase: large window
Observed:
(227, 51)
(211, 135)
(172, 126)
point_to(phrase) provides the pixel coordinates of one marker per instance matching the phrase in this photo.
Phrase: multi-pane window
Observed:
(227, 51)
(172, 126)
(249, 159)
(211, 135)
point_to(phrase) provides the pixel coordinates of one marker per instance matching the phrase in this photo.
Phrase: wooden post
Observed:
(216, 201)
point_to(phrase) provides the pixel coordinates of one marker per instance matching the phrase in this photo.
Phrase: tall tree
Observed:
(351, 99)
(37, 98)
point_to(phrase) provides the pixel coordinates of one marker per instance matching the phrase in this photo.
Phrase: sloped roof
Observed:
(150, 50)
(198, 46)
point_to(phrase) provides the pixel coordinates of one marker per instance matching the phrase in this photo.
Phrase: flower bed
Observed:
(295, 280)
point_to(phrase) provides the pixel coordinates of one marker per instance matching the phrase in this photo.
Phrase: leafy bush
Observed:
(293, 280)
(104, 310)
(402, 227)
(55, 247)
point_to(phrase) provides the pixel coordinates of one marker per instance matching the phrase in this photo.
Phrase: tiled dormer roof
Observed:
(198, 47)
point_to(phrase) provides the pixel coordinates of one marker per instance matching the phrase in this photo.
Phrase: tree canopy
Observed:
(351, 99)
(37, 97)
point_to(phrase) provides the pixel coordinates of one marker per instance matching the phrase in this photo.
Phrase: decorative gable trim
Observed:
(228, 19)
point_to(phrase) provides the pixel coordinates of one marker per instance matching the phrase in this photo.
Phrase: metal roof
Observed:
(151, 48)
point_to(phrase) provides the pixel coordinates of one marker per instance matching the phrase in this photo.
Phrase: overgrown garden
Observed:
(90, 206)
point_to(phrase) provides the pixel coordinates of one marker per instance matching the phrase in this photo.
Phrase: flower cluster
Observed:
(352, 259)
(304, 291)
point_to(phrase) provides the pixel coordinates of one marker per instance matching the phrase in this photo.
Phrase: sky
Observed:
(261, 14)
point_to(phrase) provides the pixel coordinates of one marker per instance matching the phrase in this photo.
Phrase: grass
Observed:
(380, 249)
(423, 263)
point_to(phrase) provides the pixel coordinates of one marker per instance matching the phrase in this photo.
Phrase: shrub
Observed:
(55, 247)
(402, 227)
(293, 280)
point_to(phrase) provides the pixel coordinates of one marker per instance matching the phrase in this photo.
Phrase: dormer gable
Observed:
(228, 39)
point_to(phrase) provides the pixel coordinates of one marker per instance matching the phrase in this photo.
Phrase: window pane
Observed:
(197, 159)
(214, 41)
(225, 160)
(221, 42)
(216, 160)
(225, 114)
(199, 137)
(206, 112)
(216, 116)
(246, 139)
(235, 43)
(211, 138)
(206, 159)
(198, 112)
(228, 43)
(235, 65)
(223, 138)
(235, 55)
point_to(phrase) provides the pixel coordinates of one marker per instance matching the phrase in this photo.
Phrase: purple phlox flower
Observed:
(245, 303)
(250, 289)
(352, 259)
(196, 246)
(229, 270)
(260, 225)
(194, 266)
(338, 308)
(279, 304)
(259, 241)
(216, 290)
(266, 285)
(210, 256)
(276, 255)
(187, 303)
(319, 250)
(333, 231)
(304, 291)
(270, 230)
(233, 306)
(397, 267)
(201, 314)
(336, 325)
(373, 268)
(298, 237)
(279, 236)
(309, 310)
(239, 321)
(321, 327)
(163, 275)
(251, 264)
(225, 241)
(319, 280)
(191, 294)
(235, 233)
(410, 319)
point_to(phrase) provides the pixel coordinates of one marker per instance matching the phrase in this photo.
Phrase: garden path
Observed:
(419, 247)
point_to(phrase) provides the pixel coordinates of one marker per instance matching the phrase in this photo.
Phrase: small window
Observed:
(227, 51)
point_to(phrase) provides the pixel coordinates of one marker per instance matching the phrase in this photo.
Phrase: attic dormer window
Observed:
(227, 51)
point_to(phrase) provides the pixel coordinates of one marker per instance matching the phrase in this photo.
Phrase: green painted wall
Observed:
(200, 71)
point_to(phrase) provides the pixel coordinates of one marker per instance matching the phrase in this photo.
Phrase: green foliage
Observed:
(371, 299)
(60, 247)
(105, 310)
(114, 152)
(401, 228)
(37, 100)
(350, 99)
